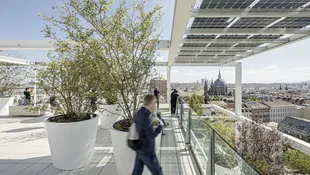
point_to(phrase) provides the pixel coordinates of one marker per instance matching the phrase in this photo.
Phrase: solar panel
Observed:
(206, 55)
(226, 55)
(258, 22)
(187, 55)
(187, 51)
(293, 22)
(210, 23)
(195, 44)
(221, 44)
(211, 51)
(280, 3)
(235, 50)
(266, 36)
(249, 44)
(233, 37)
(200, 36)
(225, 4)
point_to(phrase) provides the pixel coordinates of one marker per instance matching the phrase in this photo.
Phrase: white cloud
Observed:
(297, 69)
(268, 69)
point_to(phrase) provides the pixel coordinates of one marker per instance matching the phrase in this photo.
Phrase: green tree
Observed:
(195, 102)
(123, 43)
(297, 161)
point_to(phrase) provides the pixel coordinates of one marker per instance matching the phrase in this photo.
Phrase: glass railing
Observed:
(213, 154)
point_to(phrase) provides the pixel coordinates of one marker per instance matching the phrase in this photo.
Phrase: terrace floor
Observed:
(24, 150)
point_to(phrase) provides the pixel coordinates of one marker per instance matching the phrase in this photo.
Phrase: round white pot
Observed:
(124, 156)
(71, 144)
(109, 115)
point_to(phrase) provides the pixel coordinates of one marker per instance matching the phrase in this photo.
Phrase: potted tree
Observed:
(111, 111)
(124, 44)
(71, 132)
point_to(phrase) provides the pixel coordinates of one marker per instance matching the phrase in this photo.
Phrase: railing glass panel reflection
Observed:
(213, 154)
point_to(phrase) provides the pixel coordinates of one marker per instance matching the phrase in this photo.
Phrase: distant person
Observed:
(27, 96)
(144, 123)
(156, 93)
(174, 97)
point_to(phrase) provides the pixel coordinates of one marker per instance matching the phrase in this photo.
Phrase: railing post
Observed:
(188, 128)
(181, 115)
(177, 108)
(211, 154)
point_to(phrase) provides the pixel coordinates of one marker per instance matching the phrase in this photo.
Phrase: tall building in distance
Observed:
(218, 87)
(203, 81)
(159, 83)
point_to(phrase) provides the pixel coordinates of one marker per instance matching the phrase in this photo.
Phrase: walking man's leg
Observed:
(138, 168)
(152, 164)
(174, 104)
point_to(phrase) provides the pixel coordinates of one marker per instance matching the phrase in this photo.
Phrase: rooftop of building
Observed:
(297, 124)
(278, 104)
(256, 105)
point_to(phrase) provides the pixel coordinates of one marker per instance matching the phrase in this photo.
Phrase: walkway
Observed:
(24, 150)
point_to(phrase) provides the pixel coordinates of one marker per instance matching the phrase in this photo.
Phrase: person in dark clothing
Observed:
(27, 96)
(174, 97)
(144, 123)
(156, 93)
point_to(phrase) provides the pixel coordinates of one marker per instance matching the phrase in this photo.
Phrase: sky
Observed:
(19, 20)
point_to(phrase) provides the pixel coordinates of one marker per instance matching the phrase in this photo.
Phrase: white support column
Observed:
(35, 88)
(238, 89)
(168, 83)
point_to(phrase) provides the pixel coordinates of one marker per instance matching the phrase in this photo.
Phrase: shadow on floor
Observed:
(22, 129)
(34, 120)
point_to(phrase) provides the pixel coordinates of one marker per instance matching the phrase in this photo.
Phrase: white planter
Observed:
(109, 115)
(71, 144)
(124, 156)
(4, 105)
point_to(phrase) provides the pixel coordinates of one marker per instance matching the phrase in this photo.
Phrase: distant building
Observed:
(280, 109)
(203, 81)
(218, 87)
(161, 84)
(260, 112)
(303, 112)
(296, 127)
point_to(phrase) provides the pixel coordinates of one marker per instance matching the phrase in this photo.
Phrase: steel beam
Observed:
(249, 31)
(228, 13)
(12, 60)
(181, 16)
(234, 41)
(49, 44)
(211, 53)
(217, 48)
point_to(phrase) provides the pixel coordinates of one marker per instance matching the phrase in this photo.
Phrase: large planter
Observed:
(109, 115)
(71, 144)
(226, 170)
(4, 105)
(124, 156)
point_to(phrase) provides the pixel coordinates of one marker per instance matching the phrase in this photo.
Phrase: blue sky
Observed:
(19, 20)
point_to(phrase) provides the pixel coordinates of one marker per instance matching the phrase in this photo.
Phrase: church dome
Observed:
(219, 83)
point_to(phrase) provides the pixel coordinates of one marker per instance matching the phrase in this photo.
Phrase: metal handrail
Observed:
(211, 160)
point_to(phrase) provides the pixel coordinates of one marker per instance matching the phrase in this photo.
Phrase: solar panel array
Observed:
(228, 46)
(236, 4)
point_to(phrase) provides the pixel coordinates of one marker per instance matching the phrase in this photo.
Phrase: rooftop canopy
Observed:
(214, 33)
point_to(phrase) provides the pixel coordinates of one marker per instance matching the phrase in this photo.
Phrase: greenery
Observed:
(298, 161)
(225, 129)
(225, 161)
(254, 99)
(195, 102)
(112, 98)
(73, 84)
(122, 43)
(261, 147)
